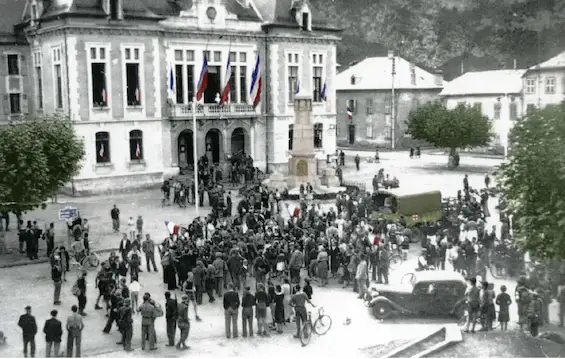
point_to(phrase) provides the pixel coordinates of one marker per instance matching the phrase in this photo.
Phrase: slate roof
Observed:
(554, 62)
(12, 11)
(495, 82)
(374, 73)
(279, 13)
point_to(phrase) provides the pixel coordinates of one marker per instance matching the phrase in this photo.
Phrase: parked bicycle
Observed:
(320, 326)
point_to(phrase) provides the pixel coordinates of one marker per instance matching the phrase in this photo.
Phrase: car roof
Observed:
(406, 191)
(439, 276)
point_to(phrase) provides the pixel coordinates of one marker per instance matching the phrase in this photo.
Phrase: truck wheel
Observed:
(382, 310)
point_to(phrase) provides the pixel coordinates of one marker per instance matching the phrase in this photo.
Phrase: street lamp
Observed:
(393, 101)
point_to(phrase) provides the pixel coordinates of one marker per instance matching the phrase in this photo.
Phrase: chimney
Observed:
(438, 80)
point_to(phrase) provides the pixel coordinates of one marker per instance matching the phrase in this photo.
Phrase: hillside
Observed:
(434, 31)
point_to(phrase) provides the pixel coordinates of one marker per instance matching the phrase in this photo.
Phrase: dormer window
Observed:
(306, 21)
(353, 79)
(116, 10)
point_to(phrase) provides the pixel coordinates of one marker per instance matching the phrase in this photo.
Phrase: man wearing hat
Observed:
(29, 329)
(183, 322)
(149, 312)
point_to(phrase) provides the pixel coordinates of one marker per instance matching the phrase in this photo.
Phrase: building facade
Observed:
(366, 89)
(497, 93)
(544, 84)
(126, 72)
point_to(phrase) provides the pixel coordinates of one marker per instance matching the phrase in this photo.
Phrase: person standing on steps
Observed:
(29, 330)
(115, 215)
(53, 330)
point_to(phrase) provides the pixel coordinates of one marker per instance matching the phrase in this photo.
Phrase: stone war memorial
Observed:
(302, 164)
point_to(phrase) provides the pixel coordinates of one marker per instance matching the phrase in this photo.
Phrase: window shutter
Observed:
(4, 66)
(23, 65)
(6, 104)
(25, 104)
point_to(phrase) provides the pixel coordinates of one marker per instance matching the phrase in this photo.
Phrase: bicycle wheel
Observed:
(463, 320)
(498, 271)
(395, 261)
(323, 324)
(306, 333)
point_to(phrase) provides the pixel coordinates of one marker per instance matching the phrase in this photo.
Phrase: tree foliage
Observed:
(461, 127)
(36, 159)
(434, 31)
(532, 182)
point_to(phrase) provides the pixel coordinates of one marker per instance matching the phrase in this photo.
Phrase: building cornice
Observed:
(515, 94)
(175, 33)
(542, 69)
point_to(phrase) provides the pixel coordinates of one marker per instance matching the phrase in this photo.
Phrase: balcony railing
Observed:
(212, 110)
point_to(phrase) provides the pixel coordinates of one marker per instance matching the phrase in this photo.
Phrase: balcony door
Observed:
(351, 134)
(214, 85)
(213, 147)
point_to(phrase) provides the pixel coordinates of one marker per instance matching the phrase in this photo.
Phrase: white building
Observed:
(108, 64)
(497, 93)
(544, 84)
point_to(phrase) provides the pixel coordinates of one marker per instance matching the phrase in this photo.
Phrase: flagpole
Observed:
(195, 155)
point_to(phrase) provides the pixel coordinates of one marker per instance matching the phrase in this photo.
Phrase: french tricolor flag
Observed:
(172, 227)
(349, 113)
(256, 83)
(226, 93)
(202, 81)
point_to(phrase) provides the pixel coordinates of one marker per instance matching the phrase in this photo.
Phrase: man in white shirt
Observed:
(362, 275)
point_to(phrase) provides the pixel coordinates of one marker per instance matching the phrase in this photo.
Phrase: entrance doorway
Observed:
(351, 134)
(214, 86)
(185, 149)
(238, 141)
(213, 145)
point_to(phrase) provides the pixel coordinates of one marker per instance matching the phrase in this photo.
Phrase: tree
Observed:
(532, 182)
(461, 127)
(36, 159)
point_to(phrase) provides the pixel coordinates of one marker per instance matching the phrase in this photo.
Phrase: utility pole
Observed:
(393, 102)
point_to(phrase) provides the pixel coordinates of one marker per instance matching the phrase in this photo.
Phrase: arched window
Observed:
(102, 147)
(290, 136)
(136, 145)
(318, 135)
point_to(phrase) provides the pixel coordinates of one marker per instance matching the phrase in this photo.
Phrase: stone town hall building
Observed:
(107, 64)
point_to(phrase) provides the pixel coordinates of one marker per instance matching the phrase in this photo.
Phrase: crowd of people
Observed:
(264, 255)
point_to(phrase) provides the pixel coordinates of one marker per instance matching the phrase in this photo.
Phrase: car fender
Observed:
(381, 299)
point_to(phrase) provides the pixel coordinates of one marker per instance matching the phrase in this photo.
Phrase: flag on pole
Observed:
(256, 84)
(323, 94)
(171, 84)
(101, 152)
(138, 95)
(104, 96)
(349, 113)
(226, 92)
(172, 227)
(138, 151)
(202, 81)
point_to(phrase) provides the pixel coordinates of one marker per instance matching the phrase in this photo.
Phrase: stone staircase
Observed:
(429, 344)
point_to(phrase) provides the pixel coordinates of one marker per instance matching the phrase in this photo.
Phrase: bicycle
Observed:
(395, 261)
(478, 320)
(321, 326)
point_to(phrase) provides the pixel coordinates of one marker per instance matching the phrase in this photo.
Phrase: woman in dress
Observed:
(279, 317)
(503, 301)
(286, 300)
(323, 265)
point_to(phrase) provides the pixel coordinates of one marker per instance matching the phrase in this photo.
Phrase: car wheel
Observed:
(382, 310)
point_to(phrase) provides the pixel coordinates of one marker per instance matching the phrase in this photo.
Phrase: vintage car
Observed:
(426, 293)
